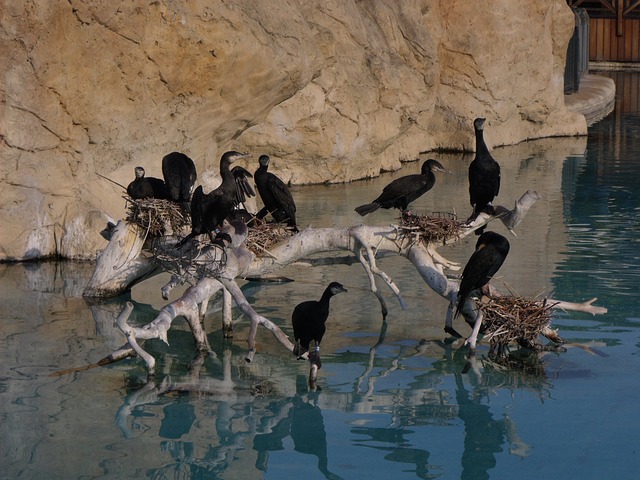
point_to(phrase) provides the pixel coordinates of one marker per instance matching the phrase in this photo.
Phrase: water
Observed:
(395, 399)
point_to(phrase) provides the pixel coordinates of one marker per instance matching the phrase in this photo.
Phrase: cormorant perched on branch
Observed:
(275, 195)
(404, 190)
(308, 321)
(484, 176)
(209, 211)
(147, 187)
(491, 251)
(180, 176)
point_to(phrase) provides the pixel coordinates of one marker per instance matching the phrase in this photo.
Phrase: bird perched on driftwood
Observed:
(180, 176)
(308, 319)
(404, 190)
(275, 195)
(491, 251)
(210, 210)
(484, 176)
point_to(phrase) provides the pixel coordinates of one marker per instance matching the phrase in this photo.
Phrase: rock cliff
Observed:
(333, 91)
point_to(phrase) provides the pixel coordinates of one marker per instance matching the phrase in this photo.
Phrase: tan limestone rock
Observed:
(333, 90)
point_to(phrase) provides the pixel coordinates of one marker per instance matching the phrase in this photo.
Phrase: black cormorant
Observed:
(147, 187)
(404, 190)
(308, 319)
(275, 195)
(180, 176)
(484, 176)
(491, 251)
(209, 210)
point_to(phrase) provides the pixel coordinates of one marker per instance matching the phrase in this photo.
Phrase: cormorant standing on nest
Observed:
(147, 187)
(308, 319)
(275, 195)
(404, 190)
(180, 176)
(484, 176)
(209, 211)
(491, 251)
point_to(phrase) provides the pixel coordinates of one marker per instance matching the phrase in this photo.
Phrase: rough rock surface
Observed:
(333, 91)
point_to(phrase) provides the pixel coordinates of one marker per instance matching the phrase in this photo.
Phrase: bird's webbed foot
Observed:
(471, 218)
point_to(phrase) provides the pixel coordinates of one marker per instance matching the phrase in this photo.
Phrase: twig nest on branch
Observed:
(263, 235)
(198, 260)
(510, 319)
(157, 217)
(436, 228)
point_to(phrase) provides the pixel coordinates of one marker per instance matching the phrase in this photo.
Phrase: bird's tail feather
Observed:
(367, 208)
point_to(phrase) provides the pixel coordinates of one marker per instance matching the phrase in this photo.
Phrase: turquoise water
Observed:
(396, 400)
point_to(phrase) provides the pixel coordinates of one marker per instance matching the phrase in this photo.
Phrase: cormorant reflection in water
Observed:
(305, 425)
(484, 436)
(399, 453)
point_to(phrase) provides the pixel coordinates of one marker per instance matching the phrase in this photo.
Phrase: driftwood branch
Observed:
(364, 243)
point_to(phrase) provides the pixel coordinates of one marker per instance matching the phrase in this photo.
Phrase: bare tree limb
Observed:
(363, 242)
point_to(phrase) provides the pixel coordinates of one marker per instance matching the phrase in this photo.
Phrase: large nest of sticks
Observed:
(431, 229)
(511, 319)
(263, 235)
(200, 259)
(158, 217)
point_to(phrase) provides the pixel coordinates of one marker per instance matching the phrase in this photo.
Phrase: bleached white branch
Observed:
(363, 242)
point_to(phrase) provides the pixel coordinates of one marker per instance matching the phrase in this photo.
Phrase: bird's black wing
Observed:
(496, 179)
(474, 180)
(244, 189)
(196, 209)
(402, 191)
(484, 183)
(482, 265)
(179, 174)
(283, 196)
(300, 319)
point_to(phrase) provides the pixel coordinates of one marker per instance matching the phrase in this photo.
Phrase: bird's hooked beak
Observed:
(339, 289)
(237, 156)
(478, 123)
(436, 166)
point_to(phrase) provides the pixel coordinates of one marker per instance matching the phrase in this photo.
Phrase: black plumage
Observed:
(308, 319)
(491, 251)
(484, 176)
(147, 187)
(404, 190)
(210, 210)
(275, 195)
(180, 176)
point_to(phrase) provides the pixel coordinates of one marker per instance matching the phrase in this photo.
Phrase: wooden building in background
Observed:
(614, 29)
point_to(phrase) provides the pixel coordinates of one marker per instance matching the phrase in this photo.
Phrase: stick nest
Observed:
(158, 217)
(508, 319)
(200, 259)
(263, 235)
(437, 228)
